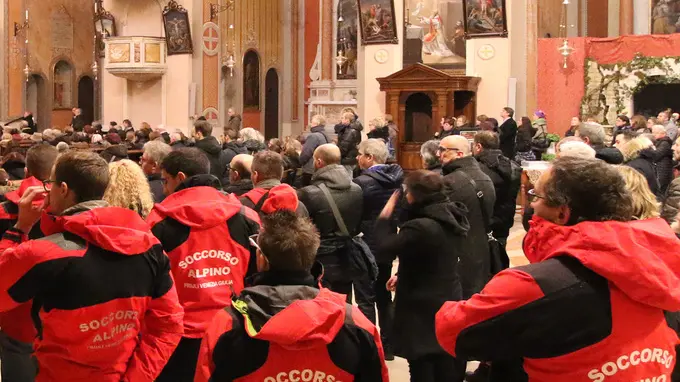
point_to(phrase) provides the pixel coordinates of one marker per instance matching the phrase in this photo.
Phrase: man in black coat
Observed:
(506, 177)
(316, 138)
(154, 153)
(663, 158)
(593, 134)
(211, 147)
(460, 171)
(232, 147)
(348, 198)
(378, 181)
(508, 132)
(349, 136)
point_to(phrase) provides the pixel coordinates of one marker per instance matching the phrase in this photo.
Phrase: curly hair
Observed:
(129, 188)
(645, 205)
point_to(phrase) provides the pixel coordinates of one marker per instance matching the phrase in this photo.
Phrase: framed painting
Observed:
(665, 16)
(347, 31)
(434, 34)
(485, 18)
(177, 32)
(377, 22)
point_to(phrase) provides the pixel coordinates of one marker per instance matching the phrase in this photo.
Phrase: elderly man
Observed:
(465, 182)
(664, 119)
(582, 310)
(593, 134)
(430, 157)
(154, 153)
(347, 196)
(239, 175)
(316, 138)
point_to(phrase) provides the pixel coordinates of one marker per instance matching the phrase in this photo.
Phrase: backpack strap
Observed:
(258, 206)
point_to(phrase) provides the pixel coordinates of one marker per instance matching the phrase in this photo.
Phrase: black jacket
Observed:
(524, 136)
(239, 187)
(664, 163)
(508, 134)
(380, 133)
(316, 138)
(115, 153)
(428, 246)
(435, 168)
(254, 146)
(507, 181)
(232, 149)
(156, 185)
(611, 155)
(348, 197)
(218, 160)
(349, 138)
(474, 256)
(443, 133)
(644, 164)
(378, 183)
(671, 202)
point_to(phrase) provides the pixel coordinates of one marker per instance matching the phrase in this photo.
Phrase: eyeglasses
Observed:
(47, 184)
(533, 196)
(442, 149)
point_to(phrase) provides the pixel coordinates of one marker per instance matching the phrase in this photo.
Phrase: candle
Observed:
(27, 15)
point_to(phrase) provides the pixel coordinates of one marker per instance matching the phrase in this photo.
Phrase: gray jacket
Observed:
(316, 138)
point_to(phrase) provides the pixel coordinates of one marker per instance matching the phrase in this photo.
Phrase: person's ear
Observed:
(181, 176)
(563, 215)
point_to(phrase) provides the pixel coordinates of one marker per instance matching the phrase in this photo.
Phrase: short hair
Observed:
(375, 148)
(318, 120)
(638, 122)
(328, 153)
(289, 242)
(593, 131)
(428, 151)
(127, 121)
(463, 118)
(203, 127)
(157, 151)
(592, 189)
(658, 129)
(348, 116)
(268, 165)
(482, 118)
(578, 149)
(421, 184)
(624, 118)
(276, 145)
(231, 133)
(510, 111)
(40, 160)
(488, 139)
(62, 147)
(189, 160)
(645, 205)
(86, 173)
(113, 123)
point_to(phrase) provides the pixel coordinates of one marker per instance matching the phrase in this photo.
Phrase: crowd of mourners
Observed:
(231, 258)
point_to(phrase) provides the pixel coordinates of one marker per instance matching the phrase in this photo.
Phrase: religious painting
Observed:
(377, 22)
(346, 38)
(485, 18)
(63, 83)
(251, 80)
(434, 33)
(177, 32)
(665, 16)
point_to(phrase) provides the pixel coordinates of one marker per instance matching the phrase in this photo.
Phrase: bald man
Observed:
(465, 182)
(348, 198)
(239, 175)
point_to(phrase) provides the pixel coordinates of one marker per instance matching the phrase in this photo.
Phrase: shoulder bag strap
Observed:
(258, 206)
(334, 208)
(480, 198)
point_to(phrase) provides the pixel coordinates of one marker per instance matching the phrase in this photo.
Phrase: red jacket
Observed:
(205, 234)
(107, 306)
(590, 307)
(285, 329)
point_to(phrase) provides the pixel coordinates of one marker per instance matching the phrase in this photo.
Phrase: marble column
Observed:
(626, 12)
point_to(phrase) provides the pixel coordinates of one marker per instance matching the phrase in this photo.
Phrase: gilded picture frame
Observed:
(177, 29)
(485, 18)
(377, 22)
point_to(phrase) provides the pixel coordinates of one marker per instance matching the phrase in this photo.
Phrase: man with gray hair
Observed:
(154, 153)
(378, 181)
(429, 156)
(593, 134)
(316, 138)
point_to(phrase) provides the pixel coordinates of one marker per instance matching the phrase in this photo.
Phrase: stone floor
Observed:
(399, 367)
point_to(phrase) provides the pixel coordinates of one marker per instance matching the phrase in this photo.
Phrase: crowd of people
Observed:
(231, 258)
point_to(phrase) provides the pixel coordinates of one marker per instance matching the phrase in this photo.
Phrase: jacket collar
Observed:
(202, 180)
(460, 163)
(84, 206)
(268, 184)
(275, 278)
(153, 177)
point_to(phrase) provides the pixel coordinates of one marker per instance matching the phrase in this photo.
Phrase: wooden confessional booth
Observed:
(418, 97)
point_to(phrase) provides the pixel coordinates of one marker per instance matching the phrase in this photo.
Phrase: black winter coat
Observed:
(316, 138)
(523, 140)
(474, 253)
(349, 138)
(508, 135)
(156, 185)
(444, 133)
(218, 159)
(506, 184)
(380, 133)
(428, 246)
(644, 164)
(232, 149)
(664, 163)
(348, 197)
(611, 155)
(239, 187)
(378, 183)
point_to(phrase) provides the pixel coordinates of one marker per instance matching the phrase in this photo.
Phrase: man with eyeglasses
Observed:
(205, 234)
(465, 182)
(284, 327)
(591, 304)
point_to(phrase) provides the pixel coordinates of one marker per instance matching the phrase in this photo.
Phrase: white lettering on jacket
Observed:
(633, 359)
(208, 254)
(108, 320)
(305, 375)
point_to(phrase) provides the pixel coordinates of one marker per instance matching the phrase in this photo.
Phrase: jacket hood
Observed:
(198, 207)
(114, 229)
(388, 175)
(209, 145)
(202, 180)
(237, 147)
(494, 160)
(15, 196)
(454, 165)
(254, 145)
(281, 197)
(438, 207)
(268, 311)
(116, 152)
(611, 155)
(318, 129)
(334, 176)
(639, 257)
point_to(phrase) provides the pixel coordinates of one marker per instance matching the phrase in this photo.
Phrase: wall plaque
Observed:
(62, 30)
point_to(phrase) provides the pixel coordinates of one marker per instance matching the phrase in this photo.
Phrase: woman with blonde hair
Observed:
(639, 154)
(645, 205)
(128, 188)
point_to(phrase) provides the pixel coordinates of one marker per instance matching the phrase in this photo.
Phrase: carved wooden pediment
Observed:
(423, 77)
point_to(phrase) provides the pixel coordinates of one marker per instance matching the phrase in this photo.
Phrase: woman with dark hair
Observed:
(639, 124)
(428, 249)
(575, 123)
(494, 124)
(523, 143)
(622, 124)
(447, 129)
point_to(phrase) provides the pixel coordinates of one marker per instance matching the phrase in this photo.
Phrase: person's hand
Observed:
(388, 210)
(392, 283)
(29, 214)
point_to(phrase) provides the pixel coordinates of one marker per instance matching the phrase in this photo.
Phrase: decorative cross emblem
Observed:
(211, 39)
(486, 52)
(381, 56)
